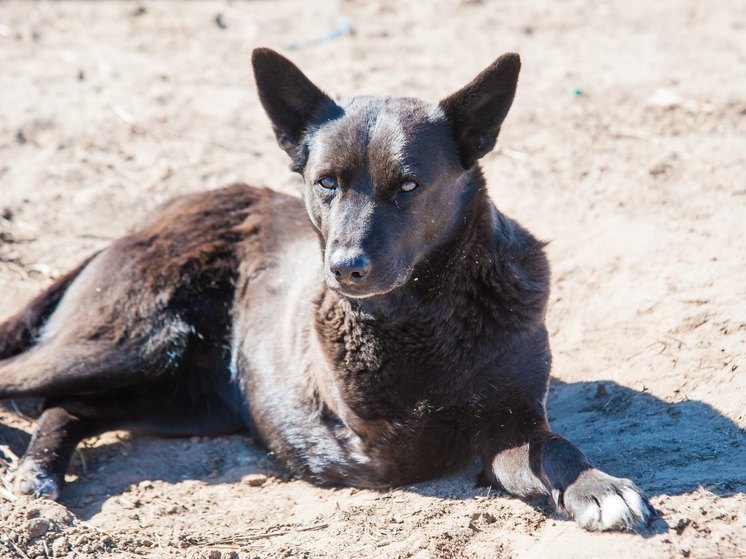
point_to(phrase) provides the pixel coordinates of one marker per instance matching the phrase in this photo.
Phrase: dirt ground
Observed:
(625, 148)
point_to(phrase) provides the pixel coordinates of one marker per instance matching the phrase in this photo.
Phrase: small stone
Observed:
(681, 525)
(60, 547)
(37, 527)
(81, 540)
(660, 169)
(56, 514)
(214, 554)
(254, 480)
(488, 518)
(664, 98)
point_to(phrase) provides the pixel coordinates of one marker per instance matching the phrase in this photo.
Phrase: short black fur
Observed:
(386, 329)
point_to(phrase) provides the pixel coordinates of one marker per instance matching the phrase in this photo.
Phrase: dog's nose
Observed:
(349, 269)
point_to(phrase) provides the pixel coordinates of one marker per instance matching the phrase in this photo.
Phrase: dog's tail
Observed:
(19, 332)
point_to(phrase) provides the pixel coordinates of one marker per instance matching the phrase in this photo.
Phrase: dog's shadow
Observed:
(666, 448)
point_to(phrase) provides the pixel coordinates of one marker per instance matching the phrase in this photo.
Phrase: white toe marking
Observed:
(589, 517)
(598, 501)
(637, 504)
(615, 513)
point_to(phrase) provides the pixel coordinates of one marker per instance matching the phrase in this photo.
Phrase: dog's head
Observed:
(387, 178)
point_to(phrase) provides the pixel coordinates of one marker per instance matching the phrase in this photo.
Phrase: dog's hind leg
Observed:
(42, 469)
(159, 408)
(56, 369)
(18, 332)
(75, 360)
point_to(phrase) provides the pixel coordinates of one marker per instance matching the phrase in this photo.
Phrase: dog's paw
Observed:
(598, 501)
(34, 479)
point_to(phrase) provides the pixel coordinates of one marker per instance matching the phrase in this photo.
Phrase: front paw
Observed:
(598, 501)
(32, 478)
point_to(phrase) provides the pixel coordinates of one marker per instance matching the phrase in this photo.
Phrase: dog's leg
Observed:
(18, 332)
(41, 471)
(158, 409)
(550, 464)
(70, 363)
(56, 369)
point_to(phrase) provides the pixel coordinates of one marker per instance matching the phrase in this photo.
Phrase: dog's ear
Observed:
(291, 101)
(476, 111)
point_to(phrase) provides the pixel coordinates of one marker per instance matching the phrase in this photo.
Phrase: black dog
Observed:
(393, 338)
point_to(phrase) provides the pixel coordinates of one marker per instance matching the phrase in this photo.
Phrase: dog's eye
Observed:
(327, 183)
(407, 186)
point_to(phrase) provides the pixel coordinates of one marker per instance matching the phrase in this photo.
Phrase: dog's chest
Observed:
(391, 373)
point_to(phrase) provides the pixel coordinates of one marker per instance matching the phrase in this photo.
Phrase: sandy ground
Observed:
(625, 149)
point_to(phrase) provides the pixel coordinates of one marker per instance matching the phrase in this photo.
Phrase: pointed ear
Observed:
(291, 101)
(476, 111)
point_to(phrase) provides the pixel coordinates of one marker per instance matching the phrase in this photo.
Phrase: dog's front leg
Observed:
(550, 464)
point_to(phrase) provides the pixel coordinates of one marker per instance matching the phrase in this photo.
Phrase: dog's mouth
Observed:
(357, 293)
(369, 287)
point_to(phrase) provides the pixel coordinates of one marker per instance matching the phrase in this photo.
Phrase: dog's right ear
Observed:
(291, 101)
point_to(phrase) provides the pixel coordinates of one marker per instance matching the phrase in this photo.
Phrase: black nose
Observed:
(349, 269)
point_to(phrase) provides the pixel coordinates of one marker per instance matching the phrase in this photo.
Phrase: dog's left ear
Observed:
(476, 111)
(289, 98)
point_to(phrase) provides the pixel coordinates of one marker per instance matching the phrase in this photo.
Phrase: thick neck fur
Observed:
(486, 285)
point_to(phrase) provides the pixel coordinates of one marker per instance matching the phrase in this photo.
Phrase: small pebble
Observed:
(254, 480)
(60, 547)
(37, 527)
(56, 513)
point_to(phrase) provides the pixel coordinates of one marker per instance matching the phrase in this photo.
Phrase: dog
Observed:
(385, 329)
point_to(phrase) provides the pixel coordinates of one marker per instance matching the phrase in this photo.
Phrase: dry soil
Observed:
(625, 149)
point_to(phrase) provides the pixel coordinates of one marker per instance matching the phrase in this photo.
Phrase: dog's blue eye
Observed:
(407, 186)
(327, 183)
